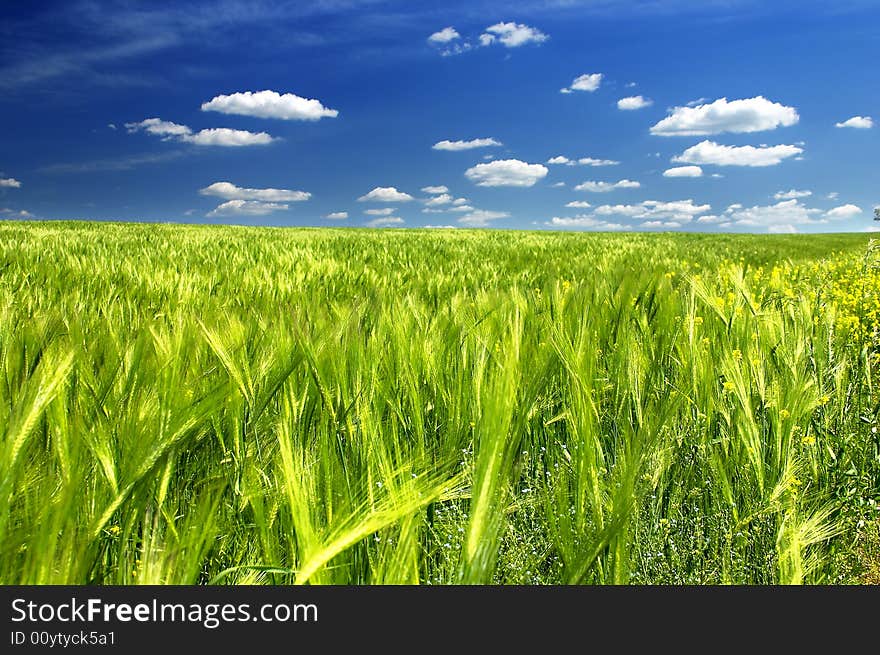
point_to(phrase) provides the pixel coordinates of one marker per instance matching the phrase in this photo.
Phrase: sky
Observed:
(605, 115)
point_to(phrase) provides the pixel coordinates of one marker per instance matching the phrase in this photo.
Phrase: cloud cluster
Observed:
(481, 218)
(242, 201)
(449, 41)
(791, 194)
(9, 183)
(270, 104)
(738, 116)
(506, 173)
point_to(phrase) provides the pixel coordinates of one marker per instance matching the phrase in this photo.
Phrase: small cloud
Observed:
(512, 35)
(434, 189)
(586, 223)
(481, 218)
(844, 211)
(709, 152)
(466, 145)
(604, 187)
(583, 161)
(270, 104)
(230, 191)
(683, 171)
(558, 185)
(580, 204)
(226, 137)
(385, 194)
(634, 102)
(857, 122)
(791, 194)
(112, 126)
(247, 208)
(440, 227)
(586, 82)
(336, 216)
(389, 221)
(506, 172)
(834, 195)
(157, 126)
(445, 35)
(9, 183)
(387, 211)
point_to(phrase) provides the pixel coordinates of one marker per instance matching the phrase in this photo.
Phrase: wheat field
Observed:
(234, 405)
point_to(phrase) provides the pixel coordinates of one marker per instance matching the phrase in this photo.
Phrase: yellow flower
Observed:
(784, 414)
(808, 440)
(737, 355)
(824, 399)
(729, 386)
(698, 320)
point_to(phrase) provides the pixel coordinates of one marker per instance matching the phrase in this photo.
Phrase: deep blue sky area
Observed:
(695, 115)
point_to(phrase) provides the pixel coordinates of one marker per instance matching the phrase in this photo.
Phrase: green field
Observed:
(230, 405)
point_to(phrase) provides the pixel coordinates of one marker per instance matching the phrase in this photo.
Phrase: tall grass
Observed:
(189, 405)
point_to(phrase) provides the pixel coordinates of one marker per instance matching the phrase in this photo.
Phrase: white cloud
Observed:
(229, 191)
(387, 211)
(466, 145)
(12, 213)
(246, 208)
(844, 211)
(683, 171)
(337, 216)
(792, 194)
(385, 222)
(580, 204)
(583, 161)
(786, 212)
(711, 219)
(159, 127)
(270, 104)
(586, 82)
(385, 194)
(741, 116)
(709, 152)
(440, 227)
(634, 102)
(461, 208)
(585, 222)
(669, 225)
(833, 195)
(434, 189)
(219, 136)
(558, 185)
(782, 229)
(512, 35)
(605, 187)
(677, 210)
(442, 199)
(506, 172)
(858, 122)
(445, 35)
(9, 183)
(481, 218)
(224, 136)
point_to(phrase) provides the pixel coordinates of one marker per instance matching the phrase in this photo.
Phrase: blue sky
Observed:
(726, 115)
